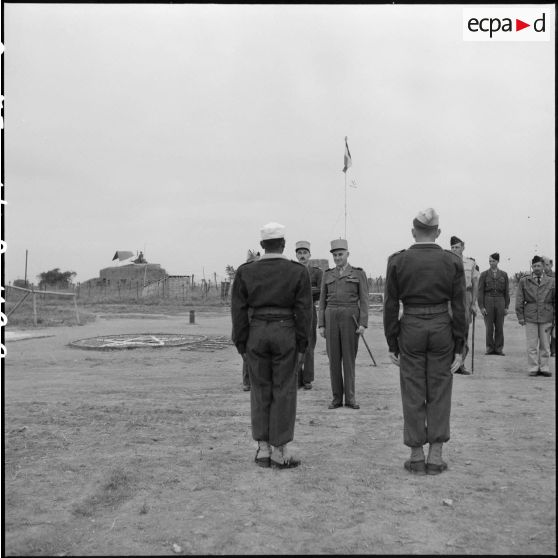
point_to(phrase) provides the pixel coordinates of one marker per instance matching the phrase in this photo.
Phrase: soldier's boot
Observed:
(435, 465)
(263, 454)
(416, 463)
(282, 459)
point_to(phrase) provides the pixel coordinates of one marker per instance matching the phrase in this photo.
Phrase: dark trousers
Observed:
(271, 355)
(427, 350)
(494, 322)
(245, 374)
(342, 347)
(306, 375)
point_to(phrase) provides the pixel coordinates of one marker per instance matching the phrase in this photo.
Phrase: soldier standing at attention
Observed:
(494, 301)
(276, 293)
(472, 285)
(547, 262)
(425, 343)
(302, 251)
(344, 294)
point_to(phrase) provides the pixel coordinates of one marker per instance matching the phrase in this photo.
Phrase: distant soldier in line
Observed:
(276, 292)
(535, 308)
(494, 301)
(549, 273)
(343, 295)
(426, 343)
(472, 288)
(306, 374)
(251, 257)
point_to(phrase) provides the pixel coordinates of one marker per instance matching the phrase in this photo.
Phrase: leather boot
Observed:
(416, 464)
(263, 454)
(281, 458)
(435, 465)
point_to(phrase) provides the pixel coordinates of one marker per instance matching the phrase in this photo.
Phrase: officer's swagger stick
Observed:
(365, 343)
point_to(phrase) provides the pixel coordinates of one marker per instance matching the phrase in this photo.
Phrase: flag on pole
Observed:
(347, 158)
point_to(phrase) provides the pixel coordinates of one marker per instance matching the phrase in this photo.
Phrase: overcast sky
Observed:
(180, 130)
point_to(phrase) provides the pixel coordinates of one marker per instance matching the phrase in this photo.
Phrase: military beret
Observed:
(495, 256)
(536, 259)
(302, 245)
(272, 230)
(455, 240)
(339, 244)
(427, 219)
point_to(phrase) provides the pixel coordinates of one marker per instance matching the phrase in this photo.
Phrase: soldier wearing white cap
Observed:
(271, 302)
(426, 343)
(306, 374)
(343, 298)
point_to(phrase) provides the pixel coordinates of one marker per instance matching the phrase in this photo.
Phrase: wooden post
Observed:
(76, 307)
(192, 316)
(34, 309)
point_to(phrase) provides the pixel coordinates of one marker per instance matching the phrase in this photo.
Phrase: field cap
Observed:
(455, 240)
(302, 245)
(339, 244)
(426, 219)
(272, 230)
(537, 259)
(495, 256)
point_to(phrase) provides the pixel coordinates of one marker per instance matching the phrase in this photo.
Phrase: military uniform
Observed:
(425, 278)
(494, 297)
(277, 292)
(344, 294)
(306, 375)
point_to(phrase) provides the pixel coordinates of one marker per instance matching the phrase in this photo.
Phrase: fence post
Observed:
(77, 313)
(34, 310)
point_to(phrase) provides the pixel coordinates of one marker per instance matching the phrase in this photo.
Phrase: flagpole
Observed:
(345, 205)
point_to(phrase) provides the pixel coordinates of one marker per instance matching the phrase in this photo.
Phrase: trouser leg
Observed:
(439, 380)
(489, 323)
(468, 298)
(307, 375)
(544, 346)
(349, 348)
(245, 374)
(532, 338)
(412, 374)
(499, 305)
(333, 347)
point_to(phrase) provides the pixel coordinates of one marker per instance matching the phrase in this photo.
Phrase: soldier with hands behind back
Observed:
(426, 343)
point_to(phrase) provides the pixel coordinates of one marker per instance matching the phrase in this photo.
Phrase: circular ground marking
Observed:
(138, 341)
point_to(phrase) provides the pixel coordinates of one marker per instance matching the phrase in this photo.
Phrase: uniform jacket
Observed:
(535, 303)
(349, 287)
(471, 271)
(424, 274)
(271, 282)
(316, 275)
(490, 286)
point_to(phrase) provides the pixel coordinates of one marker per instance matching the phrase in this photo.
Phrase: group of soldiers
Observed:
(274, 322)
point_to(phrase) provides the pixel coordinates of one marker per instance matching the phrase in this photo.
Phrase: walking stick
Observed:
(365, 343)
(473, 347)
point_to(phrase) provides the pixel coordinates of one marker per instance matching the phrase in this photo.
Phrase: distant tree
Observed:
(230, 271)
(56, 278)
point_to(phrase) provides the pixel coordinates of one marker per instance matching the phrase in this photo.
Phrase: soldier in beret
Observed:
(271, 306)
(306, 374)
(343, 298)
(426, 343)
(472, 288)
(535, 307)
(494, 301)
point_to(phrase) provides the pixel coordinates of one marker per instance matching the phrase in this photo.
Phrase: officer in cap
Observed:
(271, 306)
(472, 287)
(306, 374)
(494, 301)
(343, 298)
(426, 343)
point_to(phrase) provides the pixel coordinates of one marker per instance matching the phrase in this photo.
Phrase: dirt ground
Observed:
(149, 452)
